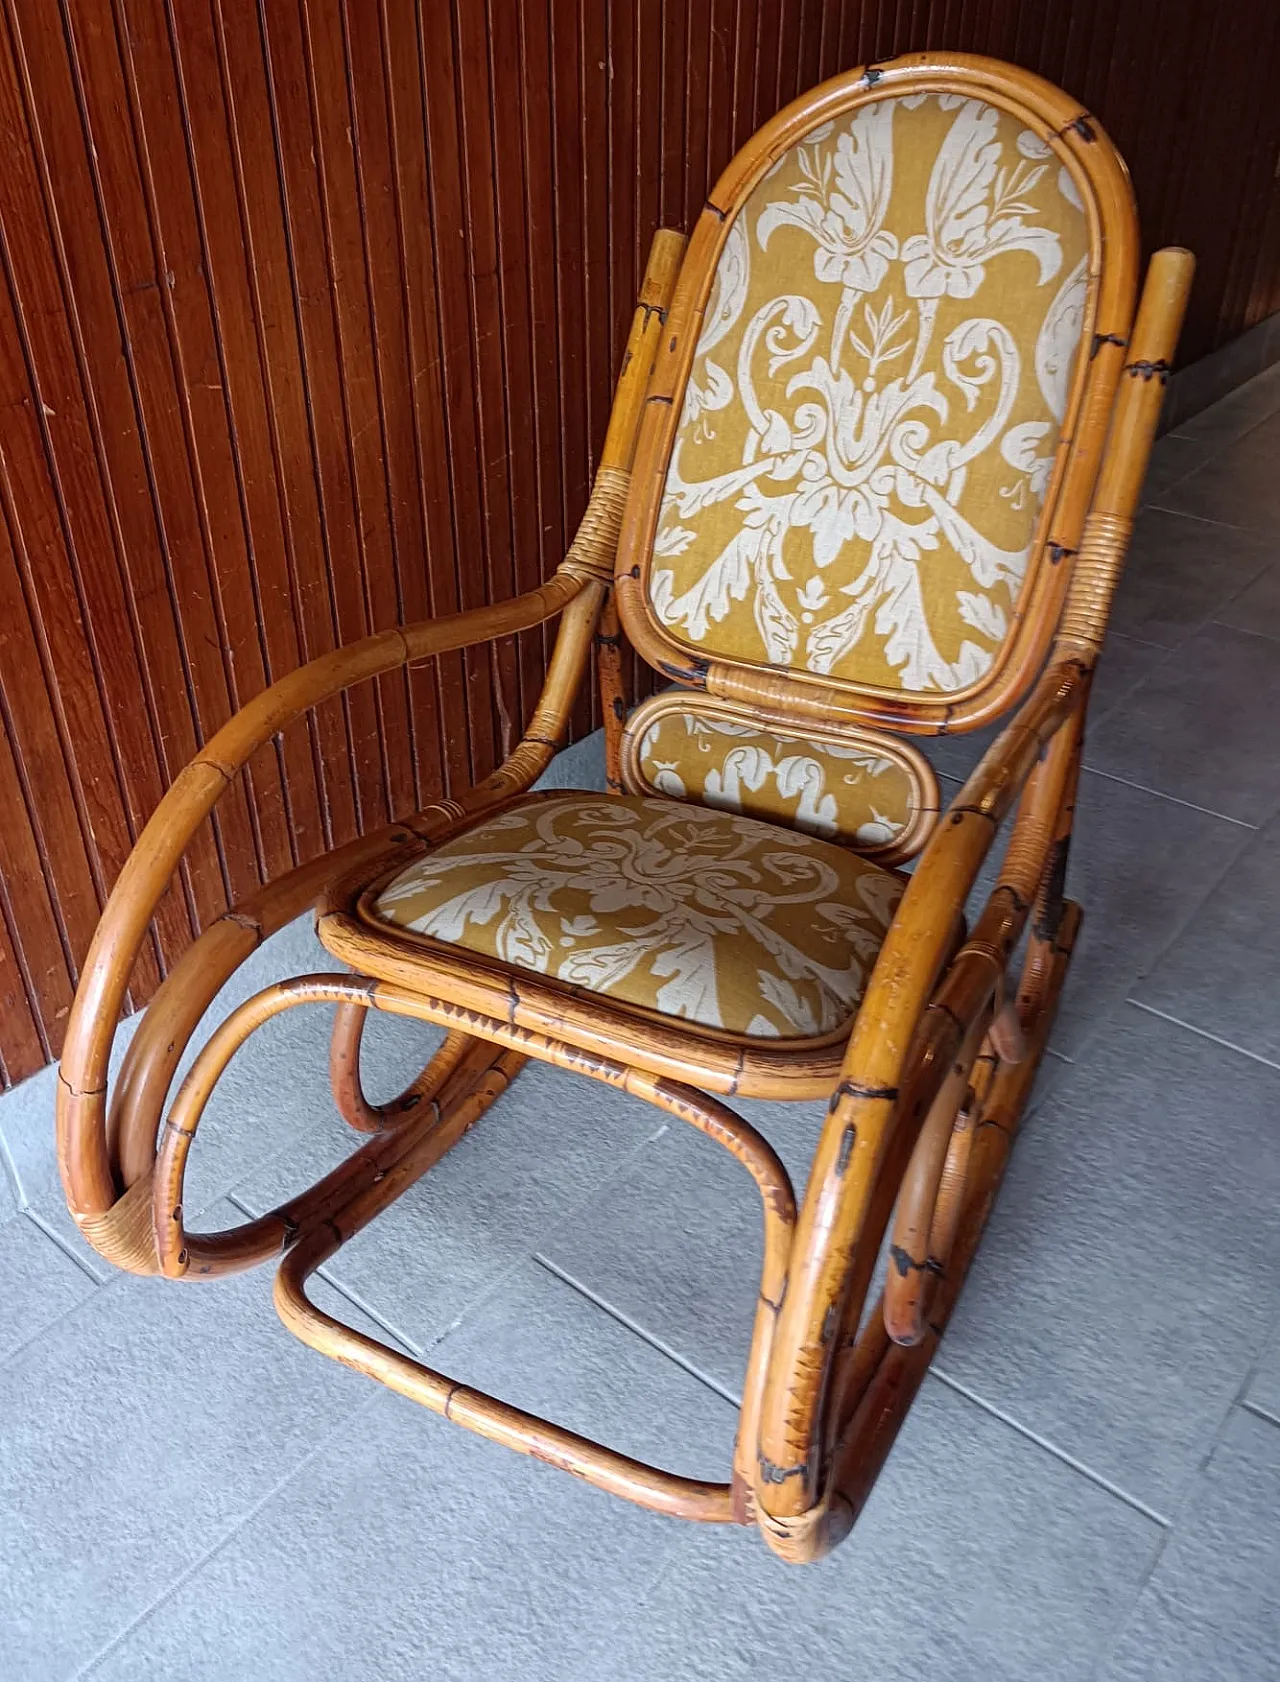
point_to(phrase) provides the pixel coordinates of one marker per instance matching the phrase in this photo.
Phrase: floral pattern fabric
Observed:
(863, 795)
(718, 919)
(871, 419)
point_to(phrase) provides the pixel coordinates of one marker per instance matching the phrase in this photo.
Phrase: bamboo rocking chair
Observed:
(870, 473)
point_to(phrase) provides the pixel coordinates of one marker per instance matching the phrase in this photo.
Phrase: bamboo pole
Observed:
(344, 1074)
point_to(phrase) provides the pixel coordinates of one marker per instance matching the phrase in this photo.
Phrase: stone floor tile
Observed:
(1212, 1606)
(1139, 866)
(408, 1547)
(978, 1557)
(1114, 1306)
(1202, 727)
(540, 1153)
(135, 1432)
(1222, 972)
(1237, 487)
(1257, 608)
(39, 1283)
(673, 1244)
(1178, 571)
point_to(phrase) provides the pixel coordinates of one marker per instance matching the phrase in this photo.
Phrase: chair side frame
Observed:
(822, 1398)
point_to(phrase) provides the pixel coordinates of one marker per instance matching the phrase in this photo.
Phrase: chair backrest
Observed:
(875, 421)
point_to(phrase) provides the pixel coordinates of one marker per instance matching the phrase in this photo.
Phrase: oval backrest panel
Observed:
(875, 400)
(873, 415)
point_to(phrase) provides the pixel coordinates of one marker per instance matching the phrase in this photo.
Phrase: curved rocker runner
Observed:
(870, 473)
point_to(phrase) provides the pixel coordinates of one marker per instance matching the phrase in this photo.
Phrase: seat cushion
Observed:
(722, 920)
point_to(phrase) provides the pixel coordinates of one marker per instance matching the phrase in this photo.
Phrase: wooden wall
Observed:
(308, 316)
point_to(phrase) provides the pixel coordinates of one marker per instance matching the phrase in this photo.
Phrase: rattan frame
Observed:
(1103, 184)
(922, 1099)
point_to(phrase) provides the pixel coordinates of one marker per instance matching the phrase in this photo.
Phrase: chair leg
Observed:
(872, 1380)
(613, 705)
(933, 1184)
(459, 1106)
(458, 1065)
(891, 1373)
(344, 1074)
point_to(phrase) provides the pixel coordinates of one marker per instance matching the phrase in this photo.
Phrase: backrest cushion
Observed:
(870, 791)
(871, 419)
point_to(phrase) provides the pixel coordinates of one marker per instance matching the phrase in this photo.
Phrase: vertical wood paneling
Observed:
(309, 316)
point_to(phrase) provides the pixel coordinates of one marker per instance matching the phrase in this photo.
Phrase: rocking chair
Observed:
(870, 474)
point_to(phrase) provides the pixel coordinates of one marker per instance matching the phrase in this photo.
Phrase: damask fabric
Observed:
(719, 919)
(824, 788)
(873, 410)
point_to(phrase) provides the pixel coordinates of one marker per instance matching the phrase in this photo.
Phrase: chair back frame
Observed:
(1103, 186)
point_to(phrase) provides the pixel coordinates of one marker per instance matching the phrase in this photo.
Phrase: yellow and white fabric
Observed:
(873, 410)
(863, 793)
(714, 918)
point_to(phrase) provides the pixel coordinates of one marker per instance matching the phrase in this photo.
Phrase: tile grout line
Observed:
(1203, 1033)
(1241, 1398)
(1123, 1621)
(347, 1295)
(639, 1331)
(55, 1237)
(1184, 513)
(1253, 426)
(1120, 1623)
(1142, 788)
(1178, 925)
(1131, 636)
(1052, 1448)
(1259, 1412)
(1177, 928)
(1216, 1439)
(1229, 396)
(1173, 799)
(43, 1331)
(196, 1565)
(1246, 630)
(10, 1170)
(421, 1351)
(1214, 452)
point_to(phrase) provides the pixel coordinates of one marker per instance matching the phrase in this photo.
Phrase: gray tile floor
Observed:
(1089, 1485)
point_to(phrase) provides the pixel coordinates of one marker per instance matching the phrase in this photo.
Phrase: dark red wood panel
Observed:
(309, 315)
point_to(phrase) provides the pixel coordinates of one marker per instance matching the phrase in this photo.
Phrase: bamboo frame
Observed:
(923, 1094)
(1103, 184)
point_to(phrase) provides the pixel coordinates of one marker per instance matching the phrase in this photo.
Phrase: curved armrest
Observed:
(104, 1161)
(83, 1151)
(269, 712)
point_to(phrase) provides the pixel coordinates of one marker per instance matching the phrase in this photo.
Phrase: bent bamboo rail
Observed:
(102, 1157)
(330, 1227)
(607, 1469)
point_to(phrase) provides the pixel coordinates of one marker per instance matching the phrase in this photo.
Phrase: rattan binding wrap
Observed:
(123, 1233)
(1097, 572)
(592, 551)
